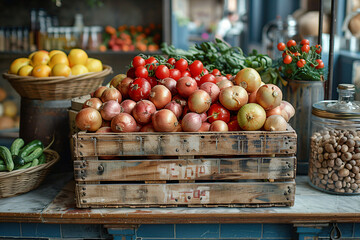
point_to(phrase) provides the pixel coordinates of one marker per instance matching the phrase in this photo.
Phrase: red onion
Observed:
(143, 111)
(123, 87)
(175, 108)
(205, 127)
(170, 84)
(212, 89)
(185, 86)
(111, 94)
(191, 122)
(110, 109)
(219, 126)
(147, 128)
(128, 105)
(123, 122)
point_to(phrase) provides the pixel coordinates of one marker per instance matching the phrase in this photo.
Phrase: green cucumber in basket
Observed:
(30, 147)
(18, 161)
(42, 159)
(35, 162)
(27, 165)
(35, 154)
(5, 154)
(2, 167)
(16, 146)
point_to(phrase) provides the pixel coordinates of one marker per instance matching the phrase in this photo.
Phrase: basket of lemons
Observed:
(56, 75)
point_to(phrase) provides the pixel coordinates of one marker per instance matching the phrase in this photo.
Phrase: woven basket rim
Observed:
(58, 79)
(37, 168)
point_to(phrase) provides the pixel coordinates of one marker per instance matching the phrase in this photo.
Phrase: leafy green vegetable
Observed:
(227, 59)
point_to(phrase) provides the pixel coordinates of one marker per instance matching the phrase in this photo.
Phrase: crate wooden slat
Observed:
(250, 194)
(185, 169)
(207, 169)
(182, 144)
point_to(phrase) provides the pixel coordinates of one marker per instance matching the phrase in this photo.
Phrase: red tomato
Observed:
(181, 64)
(162, 72)
(141, 72)
(216, 72)
(139, 89)
(152, 80)
(301, 63)
(138, 61)
(204, 71)
(196, 68)
(151, 62)
(287, 59)
(320, 64)
(175, 73)
(218, 112)
(172, 61)
(131, 73)
(185, 74)
(305, 42)
(228, 76)
(291, 43)
(207, 78)
(318, 49)
(305, 48)
(233, 125)
(281, 46)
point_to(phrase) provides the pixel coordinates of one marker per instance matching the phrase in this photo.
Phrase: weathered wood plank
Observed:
(77, 103)
(220, 193)
(185, 169)
(181, 143)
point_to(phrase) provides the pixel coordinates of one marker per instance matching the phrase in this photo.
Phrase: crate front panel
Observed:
(185, 169)
(179, 194)
(185, 144)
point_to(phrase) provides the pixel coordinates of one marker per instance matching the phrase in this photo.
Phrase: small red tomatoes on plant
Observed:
(291, 43)
(301, 63)
(281, 46)
(287, 59)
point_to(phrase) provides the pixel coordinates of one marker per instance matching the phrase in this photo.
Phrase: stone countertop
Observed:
(54, 202)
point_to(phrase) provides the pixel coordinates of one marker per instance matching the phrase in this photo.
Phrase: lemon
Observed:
(77, 56)
(60, 69)
(25, 70)
(17, 64)
(79, 69)
(94, 65)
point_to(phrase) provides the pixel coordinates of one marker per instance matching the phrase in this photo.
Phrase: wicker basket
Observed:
(22, 181)
(57, 88)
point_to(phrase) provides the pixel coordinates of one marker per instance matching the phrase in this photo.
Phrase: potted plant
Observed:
(301, 72)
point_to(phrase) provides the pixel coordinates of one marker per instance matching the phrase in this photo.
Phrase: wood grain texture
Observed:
(186, 194)
(185, 144)
(185, 169)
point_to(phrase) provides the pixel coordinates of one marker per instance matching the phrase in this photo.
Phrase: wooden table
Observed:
(54, 202)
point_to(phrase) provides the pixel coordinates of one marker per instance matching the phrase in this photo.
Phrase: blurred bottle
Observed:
(95, 38)
(271, 36)
(2, 39)
(84, 39)
(78, 28)
(41, 35)
(33, 30)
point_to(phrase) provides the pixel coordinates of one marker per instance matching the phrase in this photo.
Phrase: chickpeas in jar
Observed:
(334, 164)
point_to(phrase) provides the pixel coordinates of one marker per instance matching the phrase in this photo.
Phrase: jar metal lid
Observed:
(321, 109)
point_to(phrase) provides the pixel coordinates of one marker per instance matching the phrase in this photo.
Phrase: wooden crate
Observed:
(209, 169)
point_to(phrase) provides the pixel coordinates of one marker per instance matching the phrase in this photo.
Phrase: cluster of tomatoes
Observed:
(301, 54)
(152, 70)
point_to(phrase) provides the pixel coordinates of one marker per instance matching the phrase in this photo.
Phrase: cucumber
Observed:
(35, 162)
(27, 165)
(30, 147)
(16, 145)
(35, 154)
(42, 159)
(5, 154)
(2, 167)
(18, 161)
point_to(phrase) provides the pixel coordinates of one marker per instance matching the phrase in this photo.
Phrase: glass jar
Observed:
(334, 165)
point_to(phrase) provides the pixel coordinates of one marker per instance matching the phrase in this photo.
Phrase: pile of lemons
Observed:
(55, 63)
